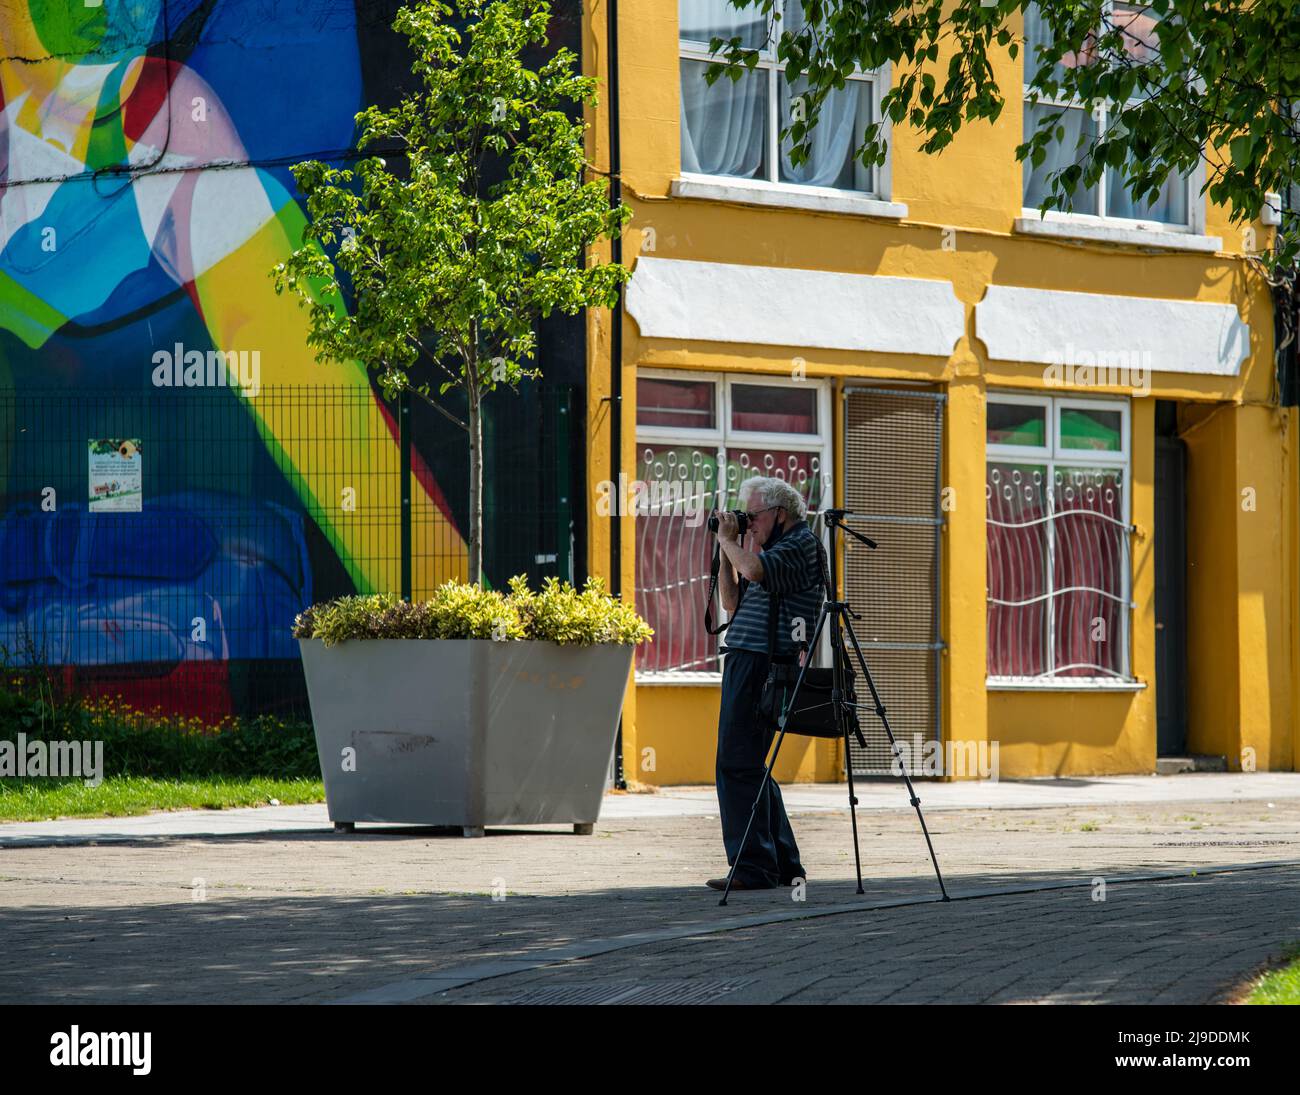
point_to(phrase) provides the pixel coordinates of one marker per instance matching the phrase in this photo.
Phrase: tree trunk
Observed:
(475, 488)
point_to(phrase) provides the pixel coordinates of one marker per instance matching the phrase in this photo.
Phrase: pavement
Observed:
(1130, 889)
(873, 794)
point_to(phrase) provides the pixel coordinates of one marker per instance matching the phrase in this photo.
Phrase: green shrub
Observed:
(557, 613)
(166, 746)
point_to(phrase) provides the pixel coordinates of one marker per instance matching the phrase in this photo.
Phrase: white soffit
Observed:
(778, 306)
(1046, 327)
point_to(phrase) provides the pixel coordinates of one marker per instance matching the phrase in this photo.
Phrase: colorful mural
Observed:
(145, 195)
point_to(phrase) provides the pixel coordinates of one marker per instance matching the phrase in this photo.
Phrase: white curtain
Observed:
(1060, 154)
(1039, 33)
(1169, 208)
(841, 123)
(1171, 205)
(702, 20)
(724, 127)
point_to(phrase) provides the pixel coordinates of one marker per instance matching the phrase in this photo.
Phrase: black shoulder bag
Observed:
(813, 714)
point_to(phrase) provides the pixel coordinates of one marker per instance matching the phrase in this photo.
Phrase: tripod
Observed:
(838, 614)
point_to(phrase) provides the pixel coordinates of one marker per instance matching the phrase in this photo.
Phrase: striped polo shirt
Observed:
(790, 568)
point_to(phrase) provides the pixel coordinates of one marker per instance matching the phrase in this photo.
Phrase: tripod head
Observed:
(835, 519)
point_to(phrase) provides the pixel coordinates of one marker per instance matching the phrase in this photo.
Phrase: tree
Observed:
(1180, 81)
(450, 262)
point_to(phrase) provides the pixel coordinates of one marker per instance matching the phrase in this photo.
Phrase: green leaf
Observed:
(445, 269)
(1241, 148)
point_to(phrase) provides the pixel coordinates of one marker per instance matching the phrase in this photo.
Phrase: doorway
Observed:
(1171, 583)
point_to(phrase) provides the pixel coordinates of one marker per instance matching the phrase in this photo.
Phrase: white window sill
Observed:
(777, 196)
(1117, 234)
(1061, 684)
(683, 679)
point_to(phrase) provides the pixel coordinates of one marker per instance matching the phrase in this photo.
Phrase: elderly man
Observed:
(787, 576)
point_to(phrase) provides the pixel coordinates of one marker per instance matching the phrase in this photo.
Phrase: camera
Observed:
(742, 521)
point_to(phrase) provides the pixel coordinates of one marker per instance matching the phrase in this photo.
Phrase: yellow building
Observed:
(1065, 433)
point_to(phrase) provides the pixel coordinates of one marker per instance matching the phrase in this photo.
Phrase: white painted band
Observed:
(1053, 327)
(781, 306)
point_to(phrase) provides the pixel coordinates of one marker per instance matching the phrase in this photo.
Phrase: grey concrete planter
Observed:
(465, 732)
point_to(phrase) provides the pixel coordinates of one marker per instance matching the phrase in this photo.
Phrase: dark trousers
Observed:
(771, 856)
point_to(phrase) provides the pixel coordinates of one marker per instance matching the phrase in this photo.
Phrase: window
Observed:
(699, 437)
(733, 129)
(1058, 538)
(1108, 201)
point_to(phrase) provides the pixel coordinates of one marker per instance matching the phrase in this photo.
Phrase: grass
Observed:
(123, 796)
(1282, 985)
(148, 760)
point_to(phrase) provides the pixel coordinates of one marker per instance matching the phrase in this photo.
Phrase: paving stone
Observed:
(318, 917)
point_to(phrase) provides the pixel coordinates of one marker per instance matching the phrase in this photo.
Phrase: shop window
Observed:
(698, 439)
(678, 404)
(1058, 539)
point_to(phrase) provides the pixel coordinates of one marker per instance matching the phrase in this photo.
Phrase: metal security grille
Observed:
(674, 545)
(892, 452)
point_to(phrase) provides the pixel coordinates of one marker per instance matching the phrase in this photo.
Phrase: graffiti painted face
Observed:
(50, 29)
(81, 31)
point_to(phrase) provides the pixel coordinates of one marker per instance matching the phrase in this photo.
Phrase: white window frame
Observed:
(1053, 456)
(1195, 225)
(723, 437)
(881, 175)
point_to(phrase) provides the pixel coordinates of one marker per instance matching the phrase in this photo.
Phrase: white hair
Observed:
(775, 492)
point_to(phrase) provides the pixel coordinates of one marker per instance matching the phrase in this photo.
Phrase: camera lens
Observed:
(742, 521)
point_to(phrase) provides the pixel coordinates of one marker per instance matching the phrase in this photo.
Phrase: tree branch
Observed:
(439, 408)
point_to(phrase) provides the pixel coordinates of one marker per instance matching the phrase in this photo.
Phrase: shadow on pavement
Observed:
(230, 947)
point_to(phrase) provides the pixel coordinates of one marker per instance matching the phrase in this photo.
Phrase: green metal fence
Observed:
(157, 544)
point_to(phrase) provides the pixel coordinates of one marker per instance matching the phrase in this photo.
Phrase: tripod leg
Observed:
(853, 808)
(893, 744)
(838, 657)
(767, 772)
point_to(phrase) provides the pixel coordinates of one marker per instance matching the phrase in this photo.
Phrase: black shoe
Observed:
(721, 884)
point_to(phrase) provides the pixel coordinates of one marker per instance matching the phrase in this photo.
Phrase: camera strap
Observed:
(714, 568)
